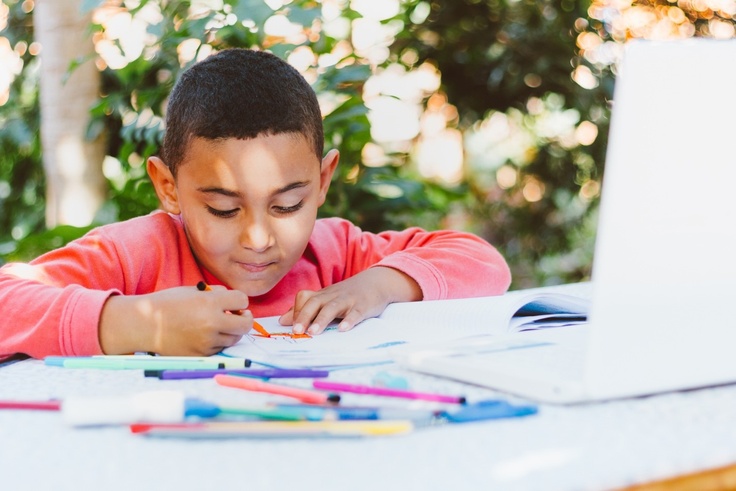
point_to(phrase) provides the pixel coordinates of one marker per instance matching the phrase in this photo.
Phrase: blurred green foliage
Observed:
(21, 172)
(131, 94)
(130, 111)
(496, 57)
(482, 49)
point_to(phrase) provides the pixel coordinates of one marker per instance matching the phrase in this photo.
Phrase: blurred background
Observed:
(489, 116)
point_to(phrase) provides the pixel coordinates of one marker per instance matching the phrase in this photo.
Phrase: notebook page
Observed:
(428, 322)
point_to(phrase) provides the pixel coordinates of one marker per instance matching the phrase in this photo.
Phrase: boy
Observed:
(240, 178)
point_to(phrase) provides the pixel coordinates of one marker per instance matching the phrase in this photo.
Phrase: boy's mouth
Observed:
(255, 267)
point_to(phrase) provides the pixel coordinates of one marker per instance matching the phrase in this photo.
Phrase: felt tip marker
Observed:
(385, 391)
(274, 429)
(312, 412)
(256, 372)
(204, 287)
(34, 405)
(228, 361)
(255, 385)
(479, 411)
(145, 363)
(158, 406)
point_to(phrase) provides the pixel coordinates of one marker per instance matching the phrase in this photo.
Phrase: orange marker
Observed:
(204, 287)
(305, 395)
(290, 335)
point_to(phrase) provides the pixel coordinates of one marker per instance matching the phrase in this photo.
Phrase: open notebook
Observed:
(664, 271)
(407, 324)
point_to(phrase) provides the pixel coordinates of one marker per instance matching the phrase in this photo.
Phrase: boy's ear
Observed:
(164, 183)
(327, 169)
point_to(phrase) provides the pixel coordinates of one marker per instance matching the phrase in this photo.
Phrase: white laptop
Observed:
(662, 316)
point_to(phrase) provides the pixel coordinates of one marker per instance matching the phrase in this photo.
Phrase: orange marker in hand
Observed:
(204, 287)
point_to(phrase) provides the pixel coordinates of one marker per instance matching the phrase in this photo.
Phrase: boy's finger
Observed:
(228, 300)
(328, 313)
(301, 299)
(226, 340)
(350, 321)
(287, 318)
(216, 288)
(305, 317)
(234, 300)
(297, 313)
(235, 325)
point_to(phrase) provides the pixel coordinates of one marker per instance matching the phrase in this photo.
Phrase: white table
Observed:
(600, 446)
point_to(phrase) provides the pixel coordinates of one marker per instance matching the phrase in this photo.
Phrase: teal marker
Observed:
(125, 363)
(228, 361)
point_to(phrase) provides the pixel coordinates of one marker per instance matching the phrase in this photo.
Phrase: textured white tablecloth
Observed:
(592, 447)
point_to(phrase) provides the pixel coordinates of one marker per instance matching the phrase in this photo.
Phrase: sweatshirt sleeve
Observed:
(446, 264)
(52, 305)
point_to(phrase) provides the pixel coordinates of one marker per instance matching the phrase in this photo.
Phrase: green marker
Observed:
(275, 414)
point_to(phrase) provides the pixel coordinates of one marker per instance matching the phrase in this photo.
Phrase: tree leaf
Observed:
(256, 10)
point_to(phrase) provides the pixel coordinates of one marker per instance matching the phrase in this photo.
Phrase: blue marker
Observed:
(480, 411)
(312, 412)
(490, 409)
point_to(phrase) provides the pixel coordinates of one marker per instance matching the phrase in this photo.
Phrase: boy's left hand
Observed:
(353, 300)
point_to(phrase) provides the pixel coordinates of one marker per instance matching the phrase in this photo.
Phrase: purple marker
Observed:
(258, 373)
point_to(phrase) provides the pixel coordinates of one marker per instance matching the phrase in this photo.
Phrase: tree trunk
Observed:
(75, 186)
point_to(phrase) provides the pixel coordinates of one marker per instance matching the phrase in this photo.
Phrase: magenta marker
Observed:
(385, 391)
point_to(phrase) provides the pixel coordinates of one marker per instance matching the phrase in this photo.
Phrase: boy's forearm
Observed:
(47, 320)
(452, 265)
(123, 326)
(398, 286)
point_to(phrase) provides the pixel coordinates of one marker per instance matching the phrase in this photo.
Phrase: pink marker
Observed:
(304, 395)
(37, 405)
(385, 391)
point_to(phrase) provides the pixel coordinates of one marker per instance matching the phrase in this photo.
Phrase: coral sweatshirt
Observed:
(52, 305)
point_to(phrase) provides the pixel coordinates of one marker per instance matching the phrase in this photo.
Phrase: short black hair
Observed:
(239, 93)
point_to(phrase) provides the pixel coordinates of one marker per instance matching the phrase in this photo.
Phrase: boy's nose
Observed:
(255, 235)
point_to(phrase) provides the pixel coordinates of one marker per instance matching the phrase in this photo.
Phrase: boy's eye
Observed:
(222, 213)
(285, 210)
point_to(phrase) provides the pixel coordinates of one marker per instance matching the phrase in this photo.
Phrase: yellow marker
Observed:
(276, 429)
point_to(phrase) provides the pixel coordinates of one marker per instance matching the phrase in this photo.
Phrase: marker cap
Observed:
(165, 406)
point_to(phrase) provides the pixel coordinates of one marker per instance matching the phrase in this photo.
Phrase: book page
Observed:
(427, 322)
(369, 341)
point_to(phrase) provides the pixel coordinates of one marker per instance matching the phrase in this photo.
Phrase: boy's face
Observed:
(248, 206)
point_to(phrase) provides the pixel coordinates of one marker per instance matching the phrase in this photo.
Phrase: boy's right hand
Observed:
(178, 321)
